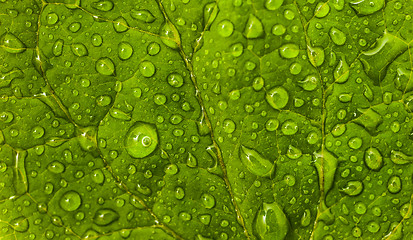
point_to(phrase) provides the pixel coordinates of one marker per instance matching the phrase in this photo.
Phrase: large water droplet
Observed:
(369, 119)
(56, 167)
(253, 28)
(273, 4)
(289, 127)
(306, 218)
(208, 200)
(294, 152)
(355, 143)
(103, 5)
(175, 80)
(205, 219)
(70, 201)
(322, 9)
(353, 188)
(225, 28)
(37, 132)
(105, 217)
(326, 164)
(228, 126)
(271, 222)
(170, 36)
(52, 18)
(11, 43)
(255, 163)
(210, 13)
(191, 161)
(367, 7)
(394, 185)
(342, 71)
(96, 40)
(153, 48)
(142, 15)
(147, 69)
(315, 55)
(57, 48)
(400, 158)
(125, 50)
(79, 49)
(20, 224)
(120, 25)
(289, 50)
(98, 176)
(277, 97)
(337, 36)
(141, 140)
(373, 159)
(310, 83)
(105, 66)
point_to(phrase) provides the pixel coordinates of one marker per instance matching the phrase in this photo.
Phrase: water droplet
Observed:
(105, 66)
(105, 217)
(11, 43)
(120, 25)
(153, 48)
(119, 114)
(326, 165)
(141, 140)
(306, 218)
(278, 30)
(272, 124)
(98, 176)
(367, 7)
(360, 208)
(255, 163)
(52, 18)
(208, 200)
(37, 132)
(271, 222)
(142, 15)
(337, 36)
(79, 49)
(357, 232)
(277, 97)
(147, 69)
(103, 100)
(369, 119)
(20, 224)
(322, 9)
(70, 201)
(228, 126)
(273, 4)
(289, 50)
(289, 180)
(342, 71)
(294, 152)
(373, 227)
(159, 99)
(191, 161)
(368, 93)
(56, 167)
(289, 127)
(179, 193)
(97, 40)
(253, 28)
(125, 50)
(236, 49)
(205, 219)
(373, 159)
(400, 158)
(57, 48)
(338, 4)
(315, 55)
(353, 188)
(210, 13)
(171, 169)
(74, 27)
(175, 80)
(310, 82)
(103, 5)
(394, 185)
(345, 97)
(225, 28)
(184, 216)
(406, 211)
(355, 142)
(258, 83)
(170, 36)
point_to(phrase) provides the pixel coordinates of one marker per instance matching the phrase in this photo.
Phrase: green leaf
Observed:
(236, 119)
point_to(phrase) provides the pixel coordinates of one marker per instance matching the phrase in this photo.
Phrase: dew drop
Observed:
(142, 15)
(153, 48)
(273, 4)
(228, 126)
(373, 159)
(289, 50)
(125, 50)
(98, 176)
(271, 222)
(253, 28)
(353, 188)
(170, 36)
(355, 143)
(175, 80)
(256, 163)
(208, 200)
(289, 127)
(11, 43)
(57, 48)
(79, 49)
(104, 217)
(277, 97)
(337, 36)
(225, 28)
(103, 5)
(342, 71)
(20, 224)
(310, 83)
(56, 167)
(141, 140)
(147, 69)
(105, 66)
(52, 18)
(96, 40)
(37, 132)
(394, 185)
(322, 9)
(70, 201)
(120, 25)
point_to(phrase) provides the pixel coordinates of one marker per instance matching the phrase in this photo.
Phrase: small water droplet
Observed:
(120, 25)
(273, 4)
(103, 5)
(337, 36)
(142, 15)
(342, 71)
(228, 126)
(57, 48)
(256, 163)
(322, 9)
(208, 200)
(37, 132)
(98, 176)
(96, 40)
(125, 50)
(277, 97)
(289, 50)
(253, 28)
(394, 185)
(225, 28)
(353, 188)
(289, 127)
(175, 80)
(56, 167)
(147, 69)
(52, 18)
(373, 159)
(79, 49)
